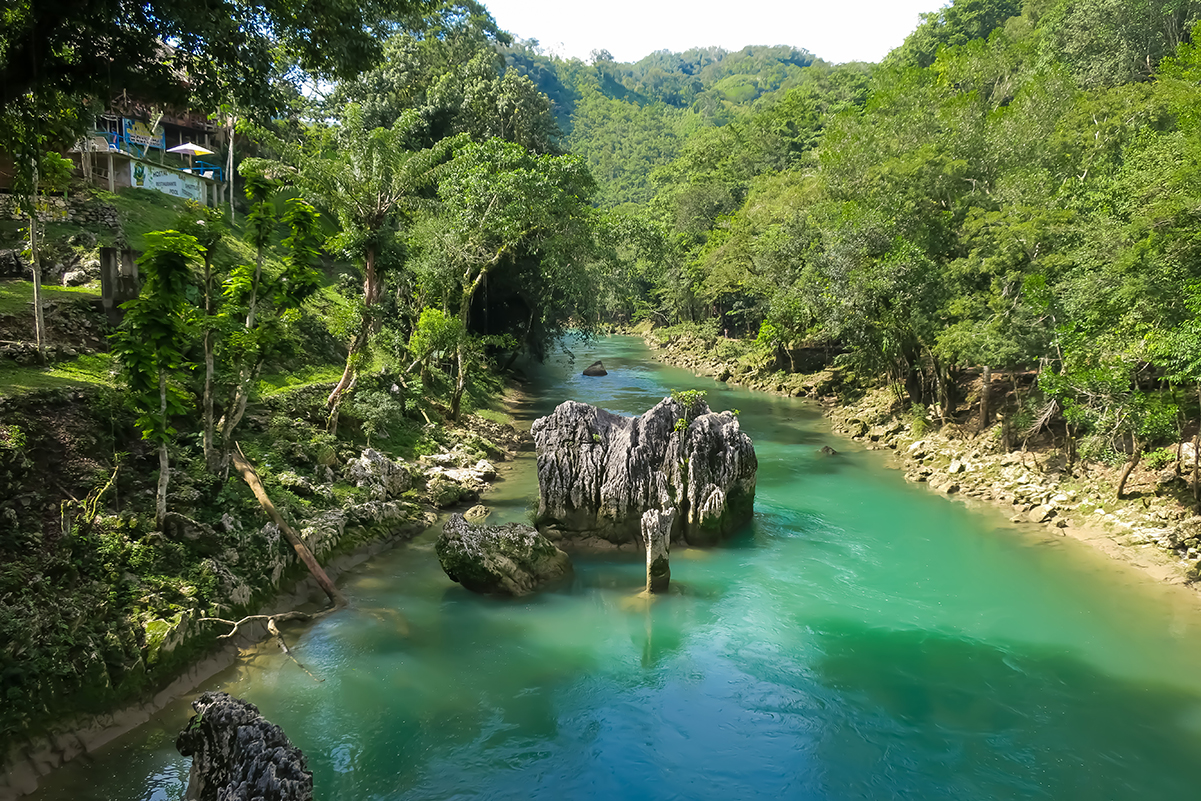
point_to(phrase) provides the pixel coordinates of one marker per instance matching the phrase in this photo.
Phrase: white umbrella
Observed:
(191, 150)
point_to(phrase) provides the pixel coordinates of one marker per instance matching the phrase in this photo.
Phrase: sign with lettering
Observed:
(139, 133)
(169, 182)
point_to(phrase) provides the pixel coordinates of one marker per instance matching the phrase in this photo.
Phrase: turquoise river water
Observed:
(861, 639)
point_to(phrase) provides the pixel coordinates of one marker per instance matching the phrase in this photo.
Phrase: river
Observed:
(863, 638)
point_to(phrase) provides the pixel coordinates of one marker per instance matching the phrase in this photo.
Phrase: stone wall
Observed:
(76, 209)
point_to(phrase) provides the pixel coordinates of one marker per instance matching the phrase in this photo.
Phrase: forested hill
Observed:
(1015, 188)
(629, 119)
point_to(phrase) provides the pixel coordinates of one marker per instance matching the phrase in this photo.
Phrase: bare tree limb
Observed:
(246, 470)
(271, 627)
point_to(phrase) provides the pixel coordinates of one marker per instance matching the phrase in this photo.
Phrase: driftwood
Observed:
(271, 627)
(244, 468)
(248, 474)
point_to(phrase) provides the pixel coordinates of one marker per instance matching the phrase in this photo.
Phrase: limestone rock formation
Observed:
(599, 472)
(597, 368)
(237, 755)
(513, 559)
(384, 478)
(656, 533)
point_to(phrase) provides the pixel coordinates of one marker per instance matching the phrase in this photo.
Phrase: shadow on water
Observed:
(929, 716)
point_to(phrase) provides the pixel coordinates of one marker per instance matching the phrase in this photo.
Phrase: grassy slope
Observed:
(16, 297)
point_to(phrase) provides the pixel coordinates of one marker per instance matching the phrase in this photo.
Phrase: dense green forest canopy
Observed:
(1011, 188)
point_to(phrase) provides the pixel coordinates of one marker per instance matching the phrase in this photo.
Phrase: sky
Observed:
(834, 30)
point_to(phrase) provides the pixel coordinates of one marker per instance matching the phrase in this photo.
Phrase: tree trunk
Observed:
(1197, 458)
(229, 171)
(985, 393)
(164, 468)
(248, 474)
(1134, 459)
(39, 318)
(210, 452)
(460, 384)
(235, 411)
(254, 290)
(371, 292)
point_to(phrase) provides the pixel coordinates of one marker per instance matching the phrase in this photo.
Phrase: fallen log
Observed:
(248, 474)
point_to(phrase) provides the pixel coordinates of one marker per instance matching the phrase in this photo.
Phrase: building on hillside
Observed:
(123, 149)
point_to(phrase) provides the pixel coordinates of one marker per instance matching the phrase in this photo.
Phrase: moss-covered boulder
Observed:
(501, 560)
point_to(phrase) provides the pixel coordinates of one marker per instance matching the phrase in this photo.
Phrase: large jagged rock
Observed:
(238, 755)
(513, 559)
(599, 472)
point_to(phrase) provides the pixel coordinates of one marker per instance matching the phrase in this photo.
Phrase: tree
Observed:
(257, 304)
(500, 203)
(152, 340)
(207, 226)
(370, 181)
(189, 54)
(450, 72)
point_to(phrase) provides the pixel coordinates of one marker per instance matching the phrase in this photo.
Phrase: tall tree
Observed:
(370, 180)
(501, 204)
(152, 340)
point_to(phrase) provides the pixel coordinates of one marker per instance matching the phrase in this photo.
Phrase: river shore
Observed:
(1150, 528)
(399, 500)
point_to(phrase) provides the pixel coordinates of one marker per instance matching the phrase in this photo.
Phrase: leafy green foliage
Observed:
(151, 342)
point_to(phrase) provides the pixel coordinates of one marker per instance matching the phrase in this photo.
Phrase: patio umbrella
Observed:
(191, 150)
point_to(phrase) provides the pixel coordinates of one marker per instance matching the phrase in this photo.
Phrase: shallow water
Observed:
(863, 638)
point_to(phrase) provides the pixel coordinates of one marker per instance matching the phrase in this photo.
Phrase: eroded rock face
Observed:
(513, 559)
(599, 472)
(656, 533)
(238, 755)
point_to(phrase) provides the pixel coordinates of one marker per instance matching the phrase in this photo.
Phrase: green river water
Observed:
(862, 639)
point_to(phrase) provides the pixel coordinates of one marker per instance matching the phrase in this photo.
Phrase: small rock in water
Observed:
(477, 512)
(826, 450)
(597, 368)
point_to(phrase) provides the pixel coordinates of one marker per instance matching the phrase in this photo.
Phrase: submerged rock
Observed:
(597, 368)
(599, 472)
(513, 559)
(238, 755)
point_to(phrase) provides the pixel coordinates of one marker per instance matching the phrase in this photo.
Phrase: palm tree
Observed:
(370, 181)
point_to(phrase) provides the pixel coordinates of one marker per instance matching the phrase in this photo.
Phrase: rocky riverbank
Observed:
(346, 510)
(1153, 526)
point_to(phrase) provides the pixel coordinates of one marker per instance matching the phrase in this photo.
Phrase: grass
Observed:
(86, 371)
(143, 211)
(314, 374)
(16, 297)
(495, 415)
(13, 233)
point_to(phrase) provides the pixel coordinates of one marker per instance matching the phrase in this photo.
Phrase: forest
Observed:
(1011, 190)
(424, 199)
